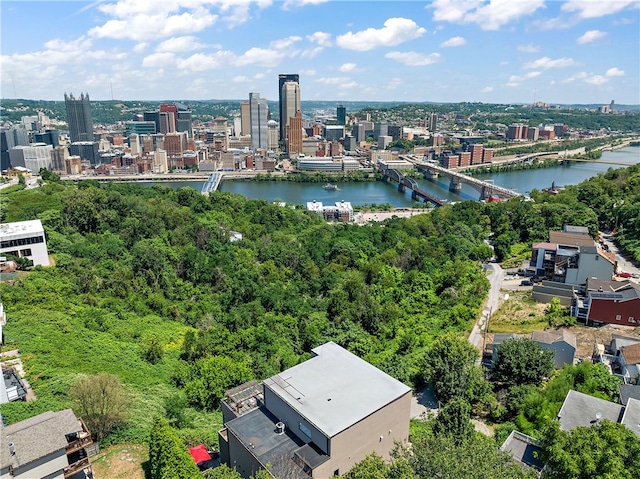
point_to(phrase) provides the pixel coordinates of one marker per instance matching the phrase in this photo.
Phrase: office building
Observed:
(273, 135)
(168, 117)
(341, 115)
(48, 137)
(79, 117)
(433, 122)
(245, 119)
(317, 419)
(290, 103)
(32, 157)
(59, 154)
(153, 116)
(384, 141)
(9, 138)
(359, 132)
(333, 132)
(380, 129)
(183, 119)
(487, 155)
(24, 239)
(395, 132)
(476, 153)
(533, 133)
(258, 112)
(282, 79)
(87, 150)
(295, 135)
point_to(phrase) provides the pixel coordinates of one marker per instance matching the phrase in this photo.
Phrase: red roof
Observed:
(199, 454)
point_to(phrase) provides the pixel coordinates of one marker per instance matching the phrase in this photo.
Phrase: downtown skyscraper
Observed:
(79, 117)
(290, 104)
(282, 79)
(258, 112)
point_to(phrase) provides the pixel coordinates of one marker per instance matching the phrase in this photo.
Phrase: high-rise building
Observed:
(87, 150)
(10, 137)
(245, 119)
(290, 102)
(33, 156)
(341, 115)
(294, 135)
(433, 122)
(183, 119)
(476, 153)
(380, 129)
(272, 135)
(258, 112)
(282, 79)
(79, 117)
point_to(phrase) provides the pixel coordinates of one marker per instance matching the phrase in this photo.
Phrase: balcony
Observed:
(76, 467)
(79, 440)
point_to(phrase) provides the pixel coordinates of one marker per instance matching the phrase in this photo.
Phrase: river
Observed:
(382, 193)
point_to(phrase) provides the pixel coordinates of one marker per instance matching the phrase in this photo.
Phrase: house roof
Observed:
(544, 245)
(631, 417)
(583, 230)
(21, 228)
(570, 239)
(607, 285)
(580, 409)
(628, 391)
(631, 354)
(523, 449)
(335, 389)
(37, 437)
(257, 431)
(550, 337)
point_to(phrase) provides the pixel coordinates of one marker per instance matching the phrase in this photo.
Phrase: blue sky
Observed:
(493, 51)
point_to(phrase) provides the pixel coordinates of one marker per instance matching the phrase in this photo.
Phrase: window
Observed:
(305, 430)
(618, 317)
(631, 320)
(25, 252)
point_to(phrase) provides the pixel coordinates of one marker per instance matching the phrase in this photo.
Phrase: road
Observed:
(624, 262)
(495, 278)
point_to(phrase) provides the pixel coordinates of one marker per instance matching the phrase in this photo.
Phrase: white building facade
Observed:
(24, 239)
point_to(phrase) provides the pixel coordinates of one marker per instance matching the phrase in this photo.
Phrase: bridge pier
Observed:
(455, 185)
(401, 187)
(428, 175)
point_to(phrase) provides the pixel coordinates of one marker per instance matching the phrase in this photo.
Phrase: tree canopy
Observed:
(522, 361)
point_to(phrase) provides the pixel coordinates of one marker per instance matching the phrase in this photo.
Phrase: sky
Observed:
(490, 51)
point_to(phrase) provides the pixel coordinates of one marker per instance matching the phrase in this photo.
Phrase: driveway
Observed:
(495, 277)
(624, 262)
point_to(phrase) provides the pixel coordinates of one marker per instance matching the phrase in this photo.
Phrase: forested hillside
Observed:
(148, 286)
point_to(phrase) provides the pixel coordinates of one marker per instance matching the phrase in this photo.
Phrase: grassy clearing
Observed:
(519, 314)
(519, 252)
(124, 461)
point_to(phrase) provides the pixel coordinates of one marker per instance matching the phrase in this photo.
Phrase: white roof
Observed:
(314, 205)
(335, 389)
(21, 228)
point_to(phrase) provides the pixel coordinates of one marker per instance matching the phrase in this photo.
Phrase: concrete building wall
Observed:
(589, 266)
(293, 420)
(376, 433)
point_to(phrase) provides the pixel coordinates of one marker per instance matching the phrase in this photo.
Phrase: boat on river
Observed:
(330, 187)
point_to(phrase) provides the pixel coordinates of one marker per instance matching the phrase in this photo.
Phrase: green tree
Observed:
(168, 456)
(453, 420)
(522, 361)
(604, 451)
(102, 402)
(154, 350)
(212, 377)
(222, 472)
(556, 315)
(451, 368)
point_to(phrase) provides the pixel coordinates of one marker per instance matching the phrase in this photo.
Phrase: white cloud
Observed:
(614, 72)
(332, 80)
(260, 56)
(179, 44)
(394, 32)
(321, 38)
(285, 42)
(159, 60)
(487, 89)
(240, 79)
(528, 48)
(596, 8)
(515, 80)
(258, 76)
(291, 4)
(596, 80)
(140, 47)
(488, 16)
(454, 42)
(311, 52)
(413, 59)
(308, 73)
(347, 67)
(590, 36)
(545, 63)
(200, 62)
(394, 83)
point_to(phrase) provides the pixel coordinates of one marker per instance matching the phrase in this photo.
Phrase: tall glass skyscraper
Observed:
(79, 117)
(258, 111)
(282, 79)
(290, 104)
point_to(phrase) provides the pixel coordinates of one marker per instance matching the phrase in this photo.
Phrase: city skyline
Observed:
(573, 51)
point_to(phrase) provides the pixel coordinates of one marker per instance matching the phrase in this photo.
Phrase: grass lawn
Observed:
(519, 314)
(124, 461)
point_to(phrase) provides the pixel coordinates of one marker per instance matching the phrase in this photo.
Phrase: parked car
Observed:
(624, 274)
(526, 282)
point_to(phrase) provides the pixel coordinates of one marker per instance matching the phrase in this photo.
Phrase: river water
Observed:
(381, 193)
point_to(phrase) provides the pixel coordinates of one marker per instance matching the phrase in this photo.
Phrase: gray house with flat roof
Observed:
(316, 419)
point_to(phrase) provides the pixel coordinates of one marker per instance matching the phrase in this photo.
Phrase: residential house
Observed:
(316, 419)
(524, 450)
(628, 391)
(582, 410)
(607, 301)
(570, 257)
(561, 342)
(50, 445)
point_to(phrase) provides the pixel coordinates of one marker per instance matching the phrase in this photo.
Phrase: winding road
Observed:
(495, 278)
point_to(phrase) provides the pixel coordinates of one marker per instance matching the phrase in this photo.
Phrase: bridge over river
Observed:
(431, 171)
(405, 182)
